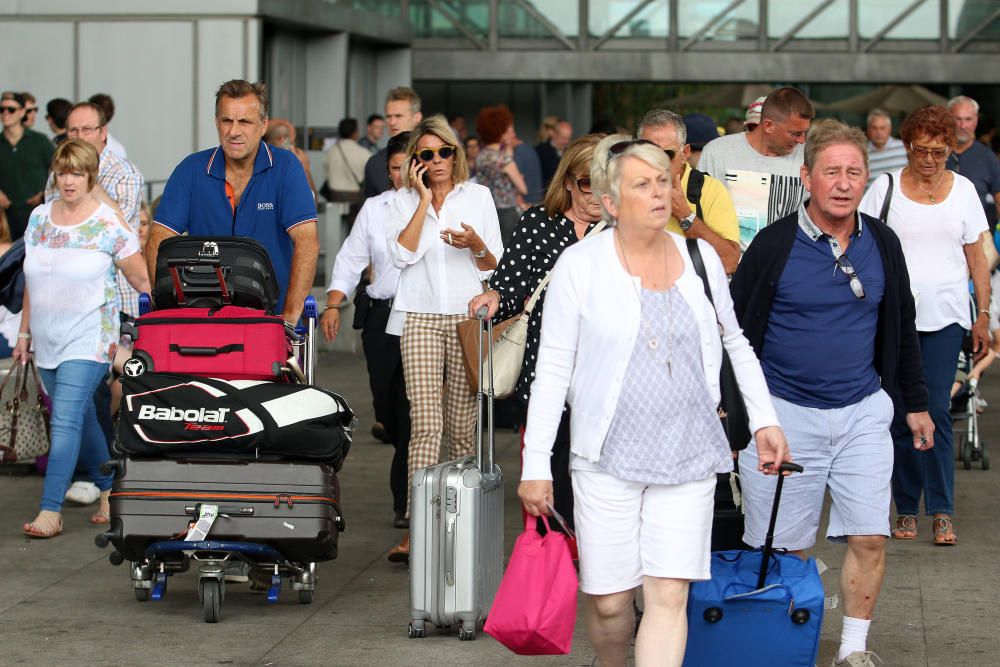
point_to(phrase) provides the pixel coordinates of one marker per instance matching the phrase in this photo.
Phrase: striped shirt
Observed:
(890, 158)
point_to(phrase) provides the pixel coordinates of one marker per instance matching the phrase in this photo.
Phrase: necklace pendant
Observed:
(654, 343)
(933, 201)
(670, 368)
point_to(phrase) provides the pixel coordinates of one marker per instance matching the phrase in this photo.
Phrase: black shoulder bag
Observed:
(732, 409)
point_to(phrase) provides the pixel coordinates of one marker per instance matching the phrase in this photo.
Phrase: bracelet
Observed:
(336, 307)
(24, 335)
(983, 311)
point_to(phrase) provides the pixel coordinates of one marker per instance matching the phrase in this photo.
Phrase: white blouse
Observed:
(592, 319)
(436, 277)
(366, 244)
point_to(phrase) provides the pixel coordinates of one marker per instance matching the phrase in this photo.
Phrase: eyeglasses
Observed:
(85, 130)
(9, 109)
(845, 265)
(619, 148)
(936, 153)
(583, 185)
(427, 154)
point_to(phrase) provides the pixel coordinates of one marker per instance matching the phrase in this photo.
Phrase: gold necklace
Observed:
(930, 193)
(653, 342)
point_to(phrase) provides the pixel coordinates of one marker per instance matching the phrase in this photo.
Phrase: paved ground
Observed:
(62, 603)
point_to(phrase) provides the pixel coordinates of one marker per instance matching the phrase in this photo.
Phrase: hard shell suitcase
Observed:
(456, 531)
(208, 272)
(293, 507)
(230, 343)
(770, 615)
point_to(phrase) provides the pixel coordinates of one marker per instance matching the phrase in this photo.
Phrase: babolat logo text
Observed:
(265, 206)
(178, 415)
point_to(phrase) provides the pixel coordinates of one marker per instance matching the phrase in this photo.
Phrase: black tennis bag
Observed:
(173, 415)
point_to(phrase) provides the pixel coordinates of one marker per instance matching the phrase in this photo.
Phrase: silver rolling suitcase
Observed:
(456, 529)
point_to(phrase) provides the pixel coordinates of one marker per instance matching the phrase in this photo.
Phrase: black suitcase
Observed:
(292, 507)
(189, 268)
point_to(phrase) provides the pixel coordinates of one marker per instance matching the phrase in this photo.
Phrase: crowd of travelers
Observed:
(814, 239)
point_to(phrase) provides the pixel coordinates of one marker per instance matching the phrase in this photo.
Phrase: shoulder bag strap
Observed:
(528, 307)
(696, 181)
(883, 217)
(347, 164)
(699, 267)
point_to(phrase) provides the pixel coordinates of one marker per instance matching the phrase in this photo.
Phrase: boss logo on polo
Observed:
(265, 206)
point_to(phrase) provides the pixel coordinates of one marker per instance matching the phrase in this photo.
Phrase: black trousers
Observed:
(385, 376)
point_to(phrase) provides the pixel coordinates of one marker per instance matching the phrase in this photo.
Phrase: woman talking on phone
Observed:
(446, 243)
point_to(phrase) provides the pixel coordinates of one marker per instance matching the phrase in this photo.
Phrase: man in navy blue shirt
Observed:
(824, 298)
(244, 187)
(973, 159)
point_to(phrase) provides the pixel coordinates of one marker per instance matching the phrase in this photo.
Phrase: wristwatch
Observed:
(481, 254)
(687, 221)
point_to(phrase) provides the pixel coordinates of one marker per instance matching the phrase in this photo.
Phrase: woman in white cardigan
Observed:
(631, 342)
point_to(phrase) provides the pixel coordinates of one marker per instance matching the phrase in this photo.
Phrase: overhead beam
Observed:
(806, 20)
(618, 26)
(912, 7)
(461, 27)
(546, 23)
(972, 34)
(712, 22)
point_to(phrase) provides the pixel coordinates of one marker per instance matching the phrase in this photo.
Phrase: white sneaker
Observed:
(857, 659)
(83, 493)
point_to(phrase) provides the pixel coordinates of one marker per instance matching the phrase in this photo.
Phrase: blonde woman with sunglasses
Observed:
(446, 243)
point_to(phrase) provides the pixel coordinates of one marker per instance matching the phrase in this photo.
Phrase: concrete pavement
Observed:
(62, 603)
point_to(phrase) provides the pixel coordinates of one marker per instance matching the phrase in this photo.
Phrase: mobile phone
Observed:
(424, 177)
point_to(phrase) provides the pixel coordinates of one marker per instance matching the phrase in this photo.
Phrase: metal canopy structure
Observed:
(843, 41)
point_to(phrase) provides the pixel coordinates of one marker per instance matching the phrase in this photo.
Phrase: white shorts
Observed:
(628, 530)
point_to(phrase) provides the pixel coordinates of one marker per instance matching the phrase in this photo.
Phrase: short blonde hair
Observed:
(829, 132)
(76, 155)
(437, 125)
(606, 171)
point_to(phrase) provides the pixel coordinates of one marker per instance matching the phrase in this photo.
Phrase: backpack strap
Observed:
(696, 181)
(883, 217)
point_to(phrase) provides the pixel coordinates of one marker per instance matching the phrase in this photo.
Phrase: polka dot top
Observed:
(536, 245)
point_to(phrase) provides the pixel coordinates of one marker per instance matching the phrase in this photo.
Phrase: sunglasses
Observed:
(31, 110)
(936, 153)
(9, 109)
(619, 148)
(427, 154)
(845, 265)
(583, 185)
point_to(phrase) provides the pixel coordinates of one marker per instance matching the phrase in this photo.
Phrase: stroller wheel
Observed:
(966, 454)
(984, 455)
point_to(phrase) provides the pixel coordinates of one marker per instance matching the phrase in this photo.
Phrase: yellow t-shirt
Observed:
(716, 205)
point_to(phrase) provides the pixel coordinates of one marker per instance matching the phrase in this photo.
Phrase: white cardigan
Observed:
(591, 320)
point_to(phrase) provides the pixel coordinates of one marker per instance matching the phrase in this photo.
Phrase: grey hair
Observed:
(963, 99)
(606, 172)
(660, 117)
(877, 113)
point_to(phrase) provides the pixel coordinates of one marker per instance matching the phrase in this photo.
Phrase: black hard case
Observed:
(244, 262)
(293, 507)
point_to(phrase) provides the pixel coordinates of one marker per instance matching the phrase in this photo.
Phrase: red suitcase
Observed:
(229, 343)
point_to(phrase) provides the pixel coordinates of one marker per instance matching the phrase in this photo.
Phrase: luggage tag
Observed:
(561, 521)
(207, 514)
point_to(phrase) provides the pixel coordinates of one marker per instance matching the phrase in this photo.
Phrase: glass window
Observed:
(967, 15)
(383, 7)
(739, 23)
(832, 22)
(652, 21)
(473, 15)
(515, 21)
(874, 15)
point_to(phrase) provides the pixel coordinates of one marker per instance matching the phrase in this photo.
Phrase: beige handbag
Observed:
(508, 351)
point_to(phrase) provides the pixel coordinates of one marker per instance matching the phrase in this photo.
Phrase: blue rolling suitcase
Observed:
(749, 615)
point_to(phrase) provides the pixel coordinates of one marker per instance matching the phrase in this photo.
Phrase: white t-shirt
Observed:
(70, 275)
(763, 189)
(933, 237)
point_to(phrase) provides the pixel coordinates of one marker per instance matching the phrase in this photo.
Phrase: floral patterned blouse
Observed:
(490, 165)
(70, 276)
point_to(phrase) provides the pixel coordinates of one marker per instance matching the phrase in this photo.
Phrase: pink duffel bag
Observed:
(534, 611)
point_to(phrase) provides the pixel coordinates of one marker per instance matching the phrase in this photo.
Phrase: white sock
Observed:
(853, 637)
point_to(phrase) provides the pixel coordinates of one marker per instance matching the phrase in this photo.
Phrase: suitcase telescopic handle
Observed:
(174, 262)
(768, 550)
(484, 441)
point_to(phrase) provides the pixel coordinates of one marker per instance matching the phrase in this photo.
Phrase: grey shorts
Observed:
(846, 450)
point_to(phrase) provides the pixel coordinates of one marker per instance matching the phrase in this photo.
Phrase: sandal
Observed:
(944, 533)
(906, 527)
(46, 528)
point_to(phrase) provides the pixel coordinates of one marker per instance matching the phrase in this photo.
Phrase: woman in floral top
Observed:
(568, 212)
(495, 167)
(73, 248)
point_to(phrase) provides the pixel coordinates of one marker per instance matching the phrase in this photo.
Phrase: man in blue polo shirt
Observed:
(245, 188)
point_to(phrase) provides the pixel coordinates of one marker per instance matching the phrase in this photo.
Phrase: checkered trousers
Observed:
(440, 399)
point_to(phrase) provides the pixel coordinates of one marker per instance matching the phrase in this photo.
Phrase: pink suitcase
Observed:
(229, 343)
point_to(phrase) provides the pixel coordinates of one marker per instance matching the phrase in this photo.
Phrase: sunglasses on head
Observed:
(9, 109)
(619, 148)
(427, 154)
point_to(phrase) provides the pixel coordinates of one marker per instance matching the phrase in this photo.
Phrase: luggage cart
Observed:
(267, 566)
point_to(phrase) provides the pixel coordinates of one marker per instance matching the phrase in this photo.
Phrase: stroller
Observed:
(236, 475)
(966, 405)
